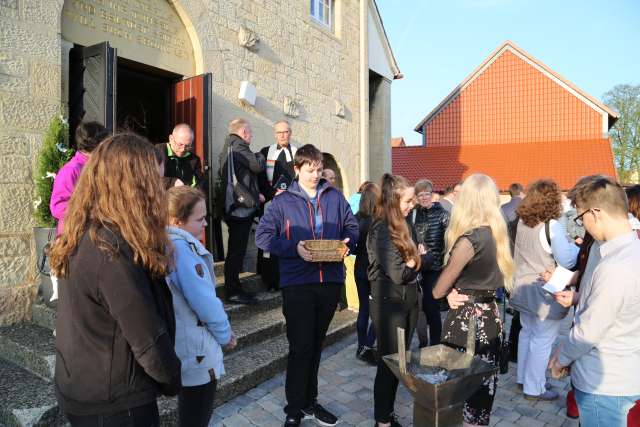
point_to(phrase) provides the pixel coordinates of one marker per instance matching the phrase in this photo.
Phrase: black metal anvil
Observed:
(440, 379)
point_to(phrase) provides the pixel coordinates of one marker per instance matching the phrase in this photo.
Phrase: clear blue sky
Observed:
(437, 43)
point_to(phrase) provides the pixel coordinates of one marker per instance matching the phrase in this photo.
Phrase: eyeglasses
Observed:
(424, 194)
(578, 220)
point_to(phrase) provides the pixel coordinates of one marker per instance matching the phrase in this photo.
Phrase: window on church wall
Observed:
(321, 11)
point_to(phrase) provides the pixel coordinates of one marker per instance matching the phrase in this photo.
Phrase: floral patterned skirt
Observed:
(477, 408)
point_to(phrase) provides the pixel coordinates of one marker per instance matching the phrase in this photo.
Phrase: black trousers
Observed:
(431, 310)
(239, 232)
(514, 334)
(269, 270)
(308, 310)
(141, 416)
(389, 315)
(195, 404)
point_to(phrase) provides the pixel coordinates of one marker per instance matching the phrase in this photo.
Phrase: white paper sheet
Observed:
(559, 280)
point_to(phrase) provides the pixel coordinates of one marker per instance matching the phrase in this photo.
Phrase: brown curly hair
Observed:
(543, 203)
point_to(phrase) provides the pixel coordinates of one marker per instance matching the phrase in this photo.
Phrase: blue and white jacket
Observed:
(202, 326)
(291, 218)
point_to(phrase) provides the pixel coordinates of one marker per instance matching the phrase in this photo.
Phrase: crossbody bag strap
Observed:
(231, 168)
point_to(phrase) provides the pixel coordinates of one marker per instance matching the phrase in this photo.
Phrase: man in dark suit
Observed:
(275, 179)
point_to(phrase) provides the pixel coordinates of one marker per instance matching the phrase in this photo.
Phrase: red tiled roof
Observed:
(565, 162)
(398, 142)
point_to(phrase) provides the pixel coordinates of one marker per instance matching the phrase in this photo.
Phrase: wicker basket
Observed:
(326, 250)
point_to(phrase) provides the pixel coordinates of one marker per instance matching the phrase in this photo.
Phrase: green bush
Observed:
(55, 152)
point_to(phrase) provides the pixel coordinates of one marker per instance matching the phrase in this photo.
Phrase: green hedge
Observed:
(54, 153)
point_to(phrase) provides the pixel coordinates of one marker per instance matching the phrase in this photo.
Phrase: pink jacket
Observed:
(63, 185)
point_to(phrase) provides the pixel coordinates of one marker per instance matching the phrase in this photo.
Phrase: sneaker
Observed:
(366, 354)
(393, 421)
(242, 298)
(321, 415)
(292, 421)
(547, 395)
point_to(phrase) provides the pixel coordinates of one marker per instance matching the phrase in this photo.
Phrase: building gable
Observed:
(511, 97)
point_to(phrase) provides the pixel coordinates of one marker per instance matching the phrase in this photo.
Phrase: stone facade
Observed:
(295, 58)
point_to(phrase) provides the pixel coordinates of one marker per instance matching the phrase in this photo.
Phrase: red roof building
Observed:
(398, 142)
(516, 120)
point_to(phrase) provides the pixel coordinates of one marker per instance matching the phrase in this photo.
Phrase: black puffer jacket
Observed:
(115, 332)
(436, 219)
(389, 275)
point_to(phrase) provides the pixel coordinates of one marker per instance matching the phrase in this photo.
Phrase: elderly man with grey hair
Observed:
(239, 212)
(180, 163)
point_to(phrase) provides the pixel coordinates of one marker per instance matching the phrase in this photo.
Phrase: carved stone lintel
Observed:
(247, 38)
(340, 109)
(291, 107)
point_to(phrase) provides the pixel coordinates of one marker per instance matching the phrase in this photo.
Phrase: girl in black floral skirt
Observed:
(478, 262)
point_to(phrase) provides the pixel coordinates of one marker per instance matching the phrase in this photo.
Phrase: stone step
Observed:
(29, 400)
(32, 347)
(45, 316)
(26, 400)
(251, 366)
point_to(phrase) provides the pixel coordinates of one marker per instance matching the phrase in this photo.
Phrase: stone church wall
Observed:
(296, 58)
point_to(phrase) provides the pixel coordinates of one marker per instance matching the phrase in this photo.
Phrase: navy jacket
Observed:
(290, 218)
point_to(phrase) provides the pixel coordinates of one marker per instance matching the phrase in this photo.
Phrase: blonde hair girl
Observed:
(478, 204)
(478, 262)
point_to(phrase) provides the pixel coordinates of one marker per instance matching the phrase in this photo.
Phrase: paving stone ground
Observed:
(346, 389)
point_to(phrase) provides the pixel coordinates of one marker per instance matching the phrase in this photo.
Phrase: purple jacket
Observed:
(289, 219)
(63, 185)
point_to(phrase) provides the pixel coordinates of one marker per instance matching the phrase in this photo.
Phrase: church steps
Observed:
(32, 347)
(261, 354)
(26, 400)
(46, 316)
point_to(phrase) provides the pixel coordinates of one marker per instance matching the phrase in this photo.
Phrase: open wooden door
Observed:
(191, 104)
(92, 85)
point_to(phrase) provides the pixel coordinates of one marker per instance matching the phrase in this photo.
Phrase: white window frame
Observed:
(322, 12)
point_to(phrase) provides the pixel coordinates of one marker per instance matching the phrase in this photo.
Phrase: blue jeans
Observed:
(366, 332)
(598, 410)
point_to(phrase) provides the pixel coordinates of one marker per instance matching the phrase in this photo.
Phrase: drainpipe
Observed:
(364, 90)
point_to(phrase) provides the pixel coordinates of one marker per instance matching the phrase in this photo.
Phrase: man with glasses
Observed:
(430, 221)
(179, 162)
(275, 179)
(602, 349)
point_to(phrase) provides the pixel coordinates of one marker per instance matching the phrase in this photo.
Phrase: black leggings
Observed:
(388, 316)
(195, 404)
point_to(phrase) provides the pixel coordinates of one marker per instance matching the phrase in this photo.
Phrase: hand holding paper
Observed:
(559, 280)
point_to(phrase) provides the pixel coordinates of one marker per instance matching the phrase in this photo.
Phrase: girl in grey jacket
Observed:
(202, 326)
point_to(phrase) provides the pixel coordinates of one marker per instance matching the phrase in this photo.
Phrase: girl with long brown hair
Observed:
(115, 326)
(395, 262)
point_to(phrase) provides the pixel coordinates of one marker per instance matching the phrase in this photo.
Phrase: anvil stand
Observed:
(440, 405)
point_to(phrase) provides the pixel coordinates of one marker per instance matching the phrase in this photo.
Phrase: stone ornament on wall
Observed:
(340, 109)
(291, 107)
(248, 38)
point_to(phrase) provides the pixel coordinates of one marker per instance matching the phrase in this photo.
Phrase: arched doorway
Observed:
(329, 162)
(124, 58)
(132, 65)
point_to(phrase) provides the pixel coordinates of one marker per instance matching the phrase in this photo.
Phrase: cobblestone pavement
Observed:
(346, 389)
